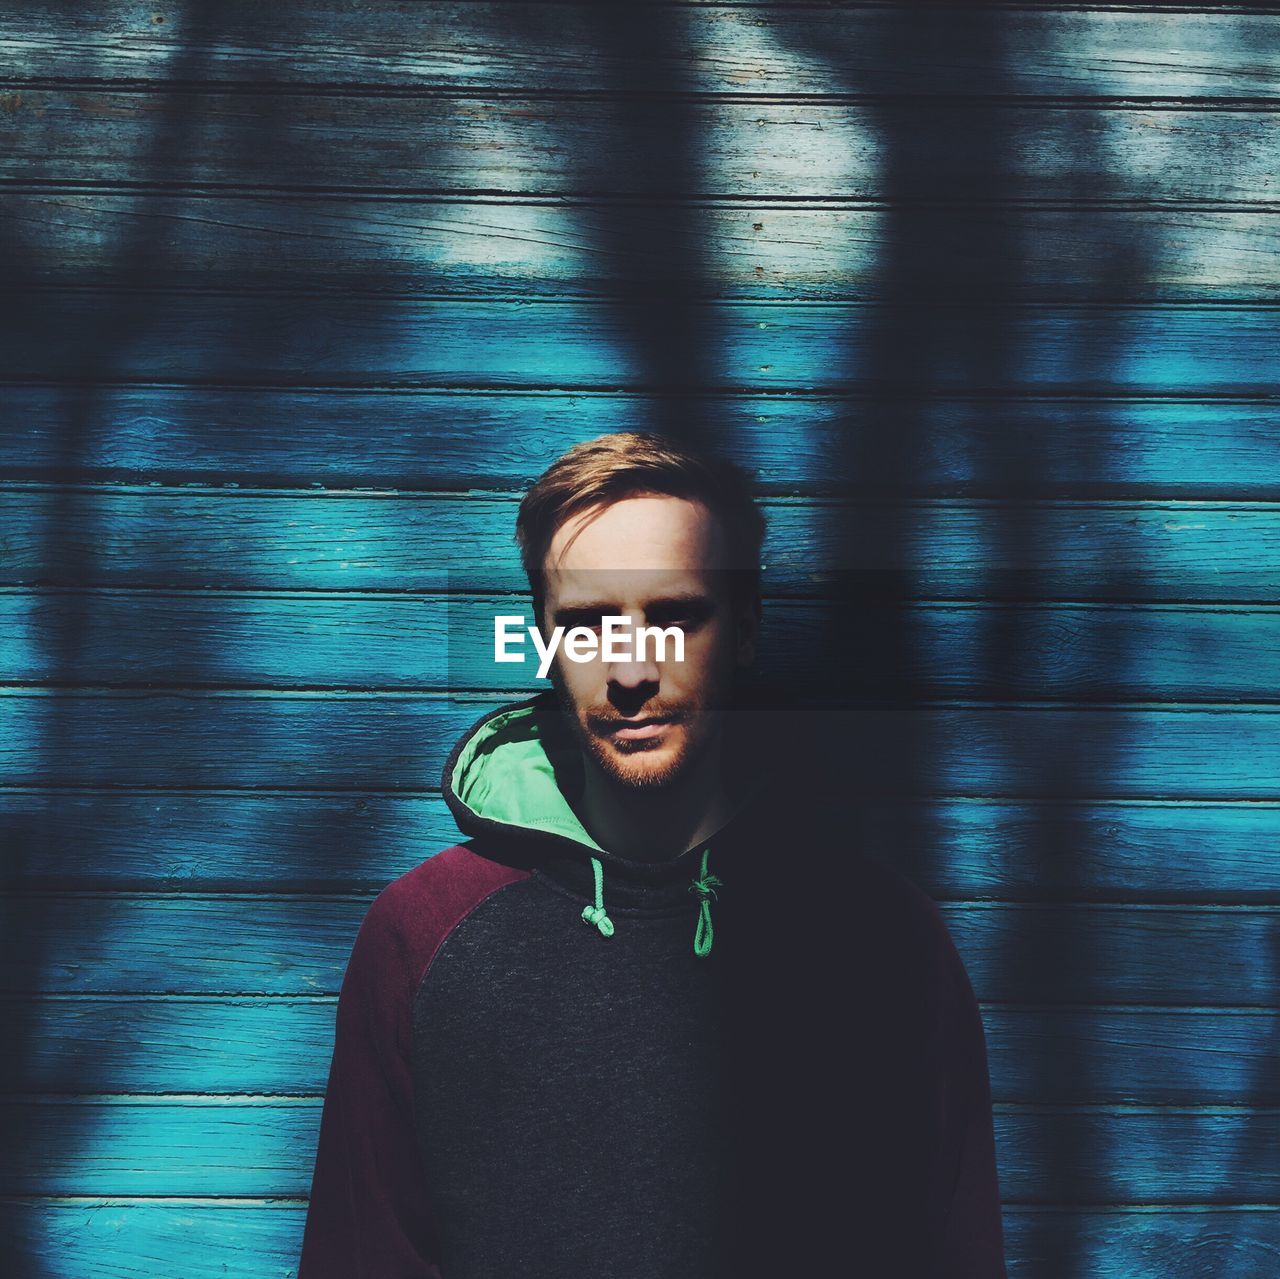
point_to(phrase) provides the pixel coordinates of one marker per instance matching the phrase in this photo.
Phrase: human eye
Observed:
(685, 615)
(592, 618)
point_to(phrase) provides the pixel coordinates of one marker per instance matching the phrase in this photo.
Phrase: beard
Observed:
(639, 764)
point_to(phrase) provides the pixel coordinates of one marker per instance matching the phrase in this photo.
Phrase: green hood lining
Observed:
(504, 774)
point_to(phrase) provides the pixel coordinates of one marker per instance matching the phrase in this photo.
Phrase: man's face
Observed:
(659, 561)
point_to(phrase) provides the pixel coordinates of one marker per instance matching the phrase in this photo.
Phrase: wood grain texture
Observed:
(119, 1238)
(398, 742)
(956, 848)
(266, 1147)
(527, 144)
(281, 1045)
(1221, 956)
(411, 641)
(703, 48)
(583, 247)
(352, 541)
(794, 444)
(758, 346)
(987, 302)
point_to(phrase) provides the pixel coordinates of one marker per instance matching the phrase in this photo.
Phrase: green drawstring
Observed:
(595, 914)
(705, 886)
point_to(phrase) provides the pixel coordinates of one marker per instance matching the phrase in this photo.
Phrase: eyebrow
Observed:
(610, 608)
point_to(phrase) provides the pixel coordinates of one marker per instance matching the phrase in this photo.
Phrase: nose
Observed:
(632, 671)
(632, 674)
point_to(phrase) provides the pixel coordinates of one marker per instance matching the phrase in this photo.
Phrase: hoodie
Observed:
(759, 1056)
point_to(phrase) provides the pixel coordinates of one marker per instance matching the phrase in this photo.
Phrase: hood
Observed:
(507, 782)
(508, 775)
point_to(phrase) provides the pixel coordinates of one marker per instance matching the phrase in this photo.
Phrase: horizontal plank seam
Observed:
(313, 1100)
(1264, 909)
(296, 1202)
(1161, 1011)
(143, 87)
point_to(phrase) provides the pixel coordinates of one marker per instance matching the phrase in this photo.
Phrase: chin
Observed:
(641, 769)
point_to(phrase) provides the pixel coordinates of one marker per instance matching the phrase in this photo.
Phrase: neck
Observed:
(658, 824)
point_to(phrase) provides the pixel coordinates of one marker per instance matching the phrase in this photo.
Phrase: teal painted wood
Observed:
(1010, 196)
(346, 540)
(422, 641)
(1122, 1243)
(530, 144)
(763, 346)
(1223, 956)
(207, 1239)
(500, 245)
(253, 841)
(711, 48)
(268, 1045)
(796, 444)
(398, 741)
(265, 1147)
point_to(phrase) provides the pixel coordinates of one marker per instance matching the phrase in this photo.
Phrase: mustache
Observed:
(603, 718)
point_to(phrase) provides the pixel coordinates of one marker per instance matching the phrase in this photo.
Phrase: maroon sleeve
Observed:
(972, 1244)
(369, 1216)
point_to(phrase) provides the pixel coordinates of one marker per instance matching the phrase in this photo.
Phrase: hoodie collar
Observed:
(507, 782)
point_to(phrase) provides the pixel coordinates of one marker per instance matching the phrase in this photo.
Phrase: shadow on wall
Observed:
(129, 319)
(927, 356)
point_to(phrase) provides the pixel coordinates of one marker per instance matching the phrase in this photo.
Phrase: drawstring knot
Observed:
(596, 914)
(705, 886)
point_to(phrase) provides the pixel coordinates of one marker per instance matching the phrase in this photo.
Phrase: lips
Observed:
(637, 728)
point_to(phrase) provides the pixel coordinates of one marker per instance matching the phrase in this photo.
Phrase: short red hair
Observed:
(627, 464)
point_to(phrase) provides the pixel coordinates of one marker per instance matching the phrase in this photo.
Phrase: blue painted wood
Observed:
(1025, 187)
(345, 540)
(795, 444)
(531, 144)
(423, 641)
(1120, 1243)
(397, 742)
(711, 48)
(263, 840)
(281, 1045)
(497, 246)
(265, 1147)
(1024, 953)
(120, 1238)
(764, 346)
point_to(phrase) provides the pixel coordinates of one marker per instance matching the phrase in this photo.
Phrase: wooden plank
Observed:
(250, 1147)
(1050, 954)
(206, 1044)
(496, 247)
(958, 848)
(345, 540)
(759, 346)
(1148, 1055)
(710, 48)
(1120, 1243)
(258, 140)
(398, 741)
(412, 641)
(206, 1239)
(796, 444)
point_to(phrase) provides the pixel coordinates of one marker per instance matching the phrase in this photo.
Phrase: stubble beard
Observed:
(614, 757)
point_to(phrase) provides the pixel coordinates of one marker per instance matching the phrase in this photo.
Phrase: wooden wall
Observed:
(298, 297)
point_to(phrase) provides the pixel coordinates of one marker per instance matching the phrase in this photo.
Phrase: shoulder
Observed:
(903, 926)
(410, 918)
(879, 887)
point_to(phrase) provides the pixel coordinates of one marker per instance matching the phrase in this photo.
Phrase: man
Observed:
(655, 1018)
